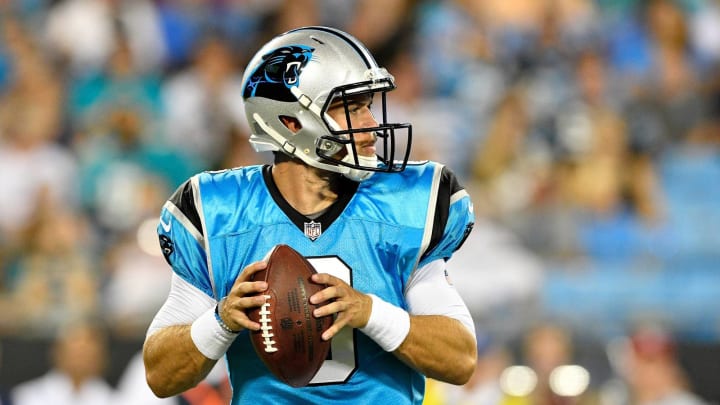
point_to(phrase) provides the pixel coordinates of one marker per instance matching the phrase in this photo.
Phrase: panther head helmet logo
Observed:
(279, 71)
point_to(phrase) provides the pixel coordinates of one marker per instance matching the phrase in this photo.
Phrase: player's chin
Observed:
(368, 151)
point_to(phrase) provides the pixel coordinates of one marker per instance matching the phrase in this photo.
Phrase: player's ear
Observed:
(291, 123)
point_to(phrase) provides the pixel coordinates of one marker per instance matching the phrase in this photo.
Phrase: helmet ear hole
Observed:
(328, 147)
(292, 123)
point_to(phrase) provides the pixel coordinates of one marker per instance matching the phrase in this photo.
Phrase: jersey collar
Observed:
(348, 189)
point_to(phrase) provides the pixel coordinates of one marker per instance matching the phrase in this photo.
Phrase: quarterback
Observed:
(341, 191)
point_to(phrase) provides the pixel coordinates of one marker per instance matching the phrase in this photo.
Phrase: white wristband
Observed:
(388, 325)
(209, 337)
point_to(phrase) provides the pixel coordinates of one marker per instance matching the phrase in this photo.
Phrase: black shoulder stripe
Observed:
(184, 199)
(449, 185)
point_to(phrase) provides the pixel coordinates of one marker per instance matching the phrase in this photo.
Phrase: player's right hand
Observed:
(243, 295)
(348, 305)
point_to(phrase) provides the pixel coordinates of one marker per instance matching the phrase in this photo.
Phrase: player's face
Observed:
(360, 116)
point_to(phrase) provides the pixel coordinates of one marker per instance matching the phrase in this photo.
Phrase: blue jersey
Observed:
(373, 237)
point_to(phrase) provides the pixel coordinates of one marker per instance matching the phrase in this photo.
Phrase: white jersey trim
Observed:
(195, 181)
(180, 216)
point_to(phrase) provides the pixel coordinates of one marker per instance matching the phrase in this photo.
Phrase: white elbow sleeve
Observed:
(430, 293)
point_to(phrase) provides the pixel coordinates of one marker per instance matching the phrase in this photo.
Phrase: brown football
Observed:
(289, 341)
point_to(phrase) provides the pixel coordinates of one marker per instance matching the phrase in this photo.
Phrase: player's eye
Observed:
(359, 105)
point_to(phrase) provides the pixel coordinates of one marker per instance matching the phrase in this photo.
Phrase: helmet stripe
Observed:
(362, 51)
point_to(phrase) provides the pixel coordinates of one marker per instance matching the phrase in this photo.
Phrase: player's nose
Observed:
(365, 138)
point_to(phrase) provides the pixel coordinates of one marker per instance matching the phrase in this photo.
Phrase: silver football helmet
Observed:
(299, 74)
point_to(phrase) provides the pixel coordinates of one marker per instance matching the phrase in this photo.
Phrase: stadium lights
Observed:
(567, 380)
(147, 237)
(518, 381)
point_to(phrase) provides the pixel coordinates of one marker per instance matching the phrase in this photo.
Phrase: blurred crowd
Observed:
(587, 131)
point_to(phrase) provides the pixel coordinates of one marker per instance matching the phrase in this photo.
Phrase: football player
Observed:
(341, 191)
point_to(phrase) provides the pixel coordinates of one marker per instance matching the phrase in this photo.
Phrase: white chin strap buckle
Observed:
(359, 174)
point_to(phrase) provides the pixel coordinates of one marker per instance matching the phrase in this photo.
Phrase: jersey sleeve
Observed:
(453, 220)
(181, 237)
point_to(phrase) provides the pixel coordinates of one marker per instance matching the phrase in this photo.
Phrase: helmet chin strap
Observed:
(358, 174)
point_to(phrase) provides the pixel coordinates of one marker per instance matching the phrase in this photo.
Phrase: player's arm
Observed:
(436, 336)
(439, 347)
(173, 363)
(441, 340)
(186, 339)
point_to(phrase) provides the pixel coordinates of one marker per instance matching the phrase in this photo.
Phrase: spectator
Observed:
(650, 370)
(30, 125)
(123, 175)
(411, 102)
(512, 164)
(591, 142)
(667, 98)
(204, 103)
(79, 356)
(132, 389)
(81, 34)
(120, 85)
(53, 277)
(135, 281)
(545, 348)
(26, 182)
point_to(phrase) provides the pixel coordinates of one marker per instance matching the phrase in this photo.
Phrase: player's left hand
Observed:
(350, 305)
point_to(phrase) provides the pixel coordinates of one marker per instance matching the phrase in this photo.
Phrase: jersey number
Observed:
(341, 363)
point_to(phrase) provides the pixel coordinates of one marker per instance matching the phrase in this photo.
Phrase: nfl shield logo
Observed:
(313, 229)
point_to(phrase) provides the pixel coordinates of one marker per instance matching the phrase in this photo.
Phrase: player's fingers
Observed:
(240, 321)
(244, 323)
(251, 269)
(330, 309)
(325, 278)
(337, 325)
(243, 286)
(325, 294)
(244, 303)
(233, 308)
(248, 288)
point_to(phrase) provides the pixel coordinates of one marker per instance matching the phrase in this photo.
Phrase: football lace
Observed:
(266, 327)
